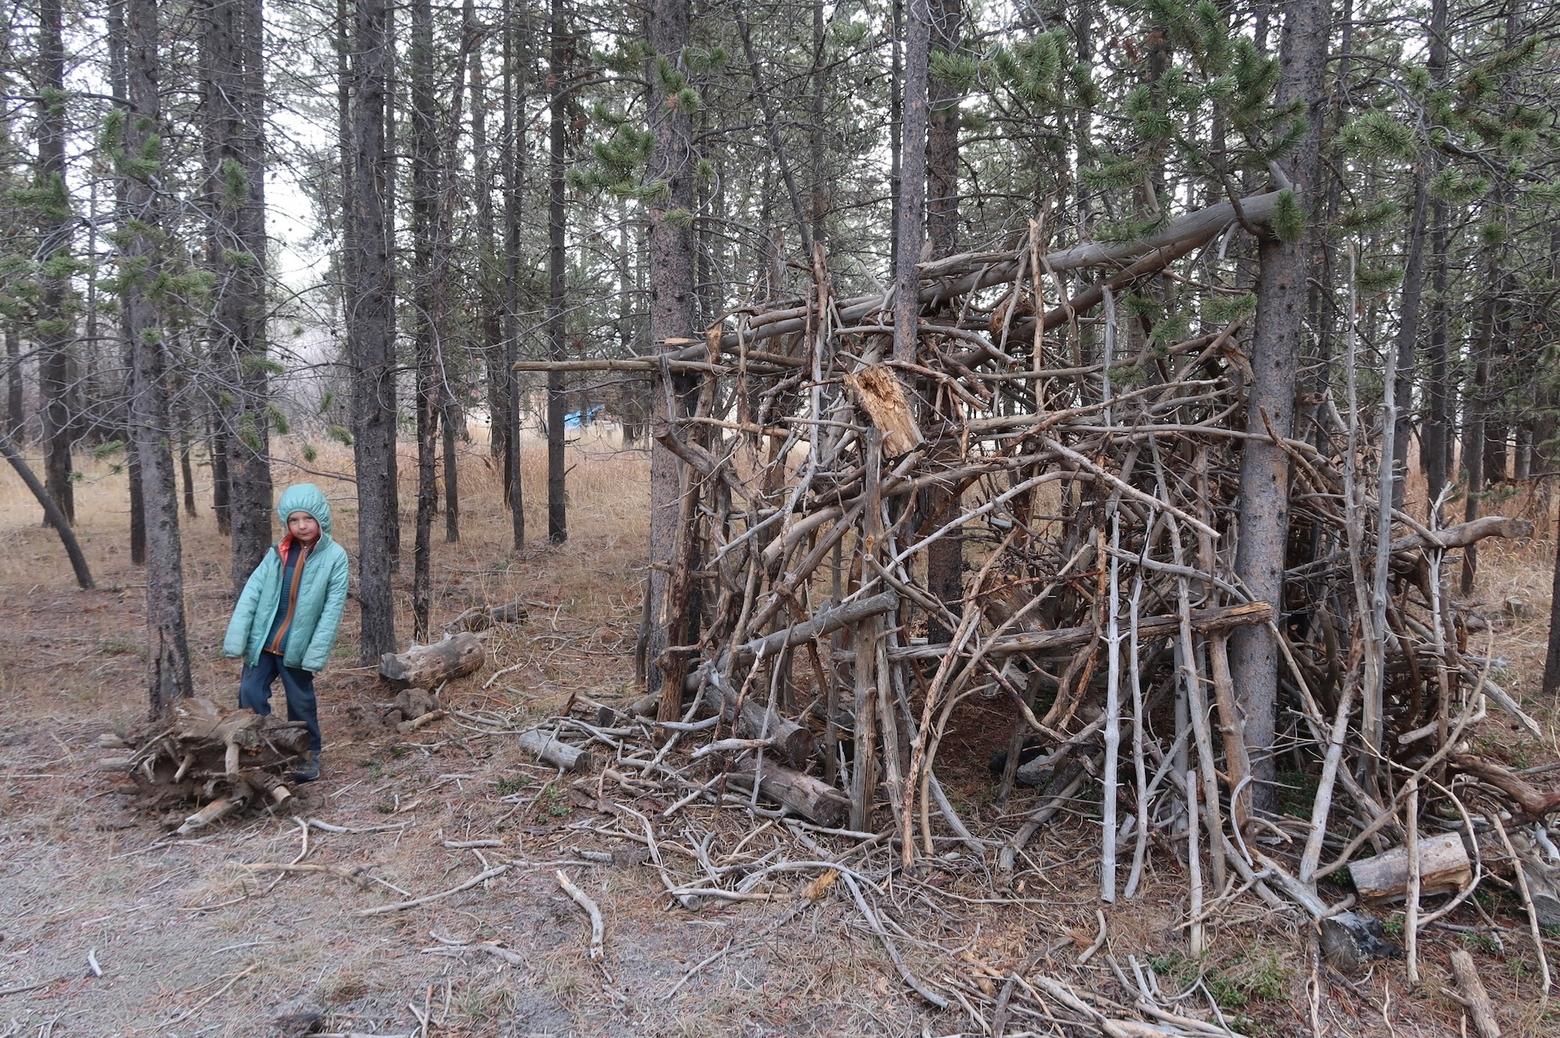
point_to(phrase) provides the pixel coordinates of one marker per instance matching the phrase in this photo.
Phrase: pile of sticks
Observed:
(1035, 514)
(221, 759)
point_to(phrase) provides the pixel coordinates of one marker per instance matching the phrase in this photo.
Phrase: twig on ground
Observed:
(597, 927)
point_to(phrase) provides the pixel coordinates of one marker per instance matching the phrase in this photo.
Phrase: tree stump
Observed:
(427, 666)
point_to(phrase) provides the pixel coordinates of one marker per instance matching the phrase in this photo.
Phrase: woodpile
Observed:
(1034, 518)
(220, 759)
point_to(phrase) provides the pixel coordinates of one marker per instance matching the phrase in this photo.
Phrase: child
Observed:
(287, 618)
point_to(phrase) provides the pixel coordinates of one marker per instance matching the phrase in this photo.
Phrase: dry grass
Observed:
(81, 870)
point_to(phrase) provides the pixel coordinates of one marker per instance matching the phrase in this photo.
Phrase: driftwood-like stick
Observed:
(1411, 848)
(400, 906)
(597, 927)
(547, 746)
(407, 727)
(1473, 996)
(213, 812)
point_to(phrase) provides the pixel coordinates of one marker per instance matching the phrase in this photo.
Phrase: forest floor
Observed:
(190, 941)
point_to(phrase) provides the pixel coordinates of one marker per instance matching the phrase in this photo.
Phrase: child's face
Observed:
(303, 527)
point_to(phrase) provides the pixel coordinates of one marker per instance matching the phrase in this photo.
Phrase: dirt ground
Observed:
(192, 938)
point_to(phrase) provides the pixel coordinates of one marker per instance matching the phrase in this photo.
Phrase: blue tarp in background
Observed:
(577, 419)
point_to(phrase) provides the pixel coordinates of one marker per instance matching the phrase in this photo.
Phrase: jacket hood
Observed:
(304, 497)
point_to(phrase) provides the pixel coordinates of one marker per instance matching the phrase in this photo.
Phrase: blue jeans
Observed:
(254, 693)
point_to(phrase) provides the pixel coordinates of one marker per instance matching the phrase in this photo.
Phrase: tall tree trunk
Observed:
(896, 115)
(235, 46)
(1437, 439)
(1275, 342)
(369, 335)
(249, 464)
(56, 227)
(910, 219)
(557, 508)
(512, 156)
(424, 203)
(392, 186)
(945, 558)
(118, 46)
(167, 647)
(490, 304)
(671, 307)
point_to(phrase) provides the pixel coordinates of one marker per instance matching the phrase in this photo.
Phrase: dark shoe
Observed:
(309, 770)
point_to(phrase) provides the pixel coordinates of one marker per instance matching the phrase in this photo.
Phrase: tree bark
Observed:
(557, 508)
(55, 324)
(1436, 441)
(235, 154)
(945, 558)
(909, 217)
(369, 335)
(512, 156)
(168, 650)
(1264, 470)
(15, 416)
(118, 46)
(489, 273)
(424, 201)
(671, 302)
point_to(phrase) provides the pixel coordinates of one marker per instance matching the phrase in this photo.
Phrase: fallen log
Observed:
(1444, 868)
(427, 666)
(549, 748)
(815, 800)
(481, 618)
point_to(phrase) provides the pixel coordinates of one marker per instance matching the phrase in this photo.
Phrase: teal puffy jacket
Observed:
(322, 593)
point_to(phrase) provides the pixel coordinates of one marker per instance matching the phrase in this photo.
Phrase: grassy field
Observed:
(199, 936)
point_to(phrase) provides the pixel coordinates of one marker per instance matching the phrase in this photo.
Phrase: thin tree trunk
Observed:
(1437, 438)
(52, 514)
(15, 417)
(512, 156)
(424, 204)
(167, 646)
(454, 417)
(671, 308)
(1408, 326)
(896, 164)
(369, 335)
(488, 272)
(235, 50)
(1264, 472)
(56, 227)
(910, 219)
(945, 558)
(392, 186)
(118, 83)
(557, 508)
